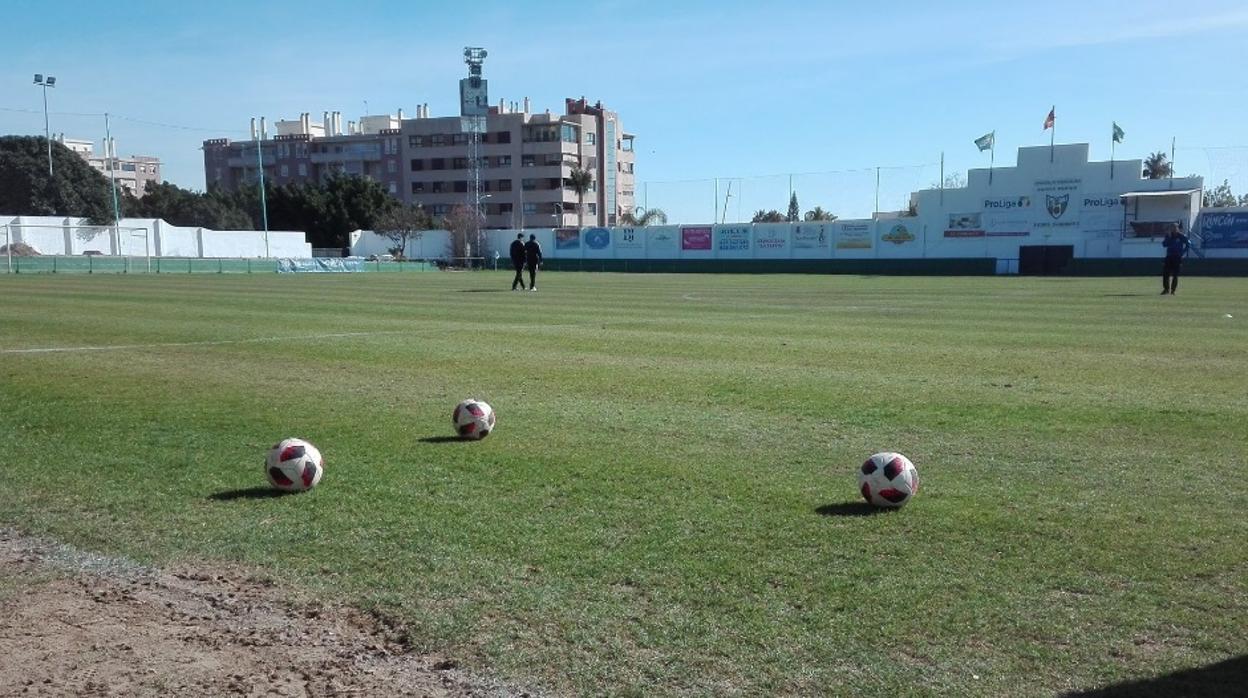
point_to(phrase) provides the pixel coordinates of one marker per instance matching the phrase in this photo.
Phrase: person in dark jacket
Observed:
(1176, 245)
(517, 261)
(532, 258)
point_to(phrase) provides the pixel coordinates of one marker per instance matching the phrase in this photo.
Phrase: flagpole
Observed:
(942, 178)
(1053, 133)
(1113, 141)
(992, 157)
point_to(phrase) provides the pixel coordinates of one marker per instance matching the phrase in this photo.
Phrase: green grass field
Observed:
(668, 504)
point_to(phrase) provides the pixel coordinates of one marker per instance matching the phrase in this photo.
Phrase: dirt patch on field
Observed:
(73, 623)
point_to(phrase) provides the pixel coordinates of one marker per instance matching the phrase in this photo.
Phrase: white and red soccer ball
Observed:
(888, 480)
(473, 419)
(294, 465)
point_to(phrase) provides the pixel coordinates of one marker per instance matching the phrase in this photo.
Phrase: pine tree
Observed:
(795, 212)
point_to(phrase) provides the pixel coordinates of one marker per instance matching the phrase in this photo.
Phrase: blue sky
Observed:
(712, 89)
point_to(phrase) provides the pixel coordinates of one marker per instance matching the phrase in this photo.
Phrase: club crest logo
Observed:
(1056, 204)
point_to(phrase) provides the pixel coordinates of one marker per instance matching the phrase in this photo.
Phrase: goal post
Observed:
(130, 246)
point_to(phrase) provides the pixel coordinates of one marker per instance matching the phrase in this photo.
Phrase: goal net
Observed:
(68, 248)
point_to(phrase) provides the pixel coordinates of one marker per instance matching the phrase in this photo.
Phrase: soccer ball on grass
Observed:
(294, 465)
(473, 419)
(888, 480)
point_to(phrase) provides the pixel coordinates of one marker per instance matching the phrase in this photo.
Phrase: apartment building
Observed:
(525, 160)
(131, 173)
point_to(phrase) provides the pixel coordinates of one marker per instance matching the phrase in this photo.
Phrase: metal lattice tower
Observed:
(474, 107)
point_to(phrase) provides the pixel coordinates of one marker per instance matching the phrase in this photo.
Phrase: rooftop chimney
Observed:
(264, 130)
(400, 113)
(526, 105)
(253, 128)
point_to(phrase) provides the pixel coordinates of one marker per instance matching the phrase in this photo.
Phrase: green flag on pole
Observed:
(985, 142)
(1118, 133)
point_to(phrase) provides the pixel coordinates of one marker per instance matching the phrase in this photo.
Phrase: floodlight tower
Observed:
(46, 82)
(474, 106)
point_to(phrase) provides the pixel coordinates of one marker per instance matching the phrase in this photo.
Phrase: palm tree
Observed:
(643, 217)
(818, 214)
(1156, 166)
(580, 181)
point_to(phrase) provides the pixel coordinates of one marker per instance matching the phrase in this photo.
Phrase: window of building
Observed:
(502, 137)
(554, 159)
(418, 165)
(570, 134)
(438, 164)
(303, 169)
(337, 149)
(504, 161)
(485, 185)
(392, 166)
(127, 167)
(503, 185)
(441, 209)
(416, 141)
(418, 187)
(394, 188)
(541, 134)
(627, 167)
(530, 208)
(285, 170)
(459, 163)
(461, 186)
(528, 160)
(437, 187)
(591, 138)
(592, 208)
(528, 184)
(438, 139)
(459, 139)
(504, 208)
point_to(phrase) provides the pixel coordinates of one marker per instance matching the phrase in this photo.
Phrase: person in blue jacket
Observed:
(1176, 245)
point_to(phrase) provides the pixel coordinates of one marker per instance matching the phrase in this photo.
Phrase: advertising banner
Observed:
(695, 238)
(897, 234)
(1227, 230)
(567, 239)
(1058, 204)
(965, 225)
(1101, 216)
(663, 242)
(732, 241)
(854, 235)
(771, 240)
(630, 243)
(597, 238)
(810, 236)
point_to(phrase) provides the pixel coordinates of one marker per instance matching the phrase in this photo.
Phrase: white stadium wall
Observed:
(137, 237)
(1052, 197)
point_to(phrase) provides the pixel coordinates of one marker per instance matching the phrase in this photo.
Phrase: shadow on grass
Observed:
(444, 440)
(850, 509)
(483, 290)
(249, 493)
(1125, 295)
(1228, 678)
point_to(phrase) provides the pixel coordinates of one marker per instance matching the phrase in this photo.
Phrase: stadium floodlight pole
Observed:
(264, 204)
(46, 82)
(110, 157)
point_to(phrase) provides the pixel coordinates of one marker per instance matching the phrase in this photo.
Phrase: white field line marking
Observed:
(206, 343)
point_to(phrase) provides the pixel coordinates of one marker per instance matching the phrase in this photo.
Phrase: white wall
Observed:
(139, 236)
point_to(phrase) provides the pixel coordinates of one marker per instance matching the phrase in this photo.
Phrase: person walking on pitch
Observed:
(1176, 245)
(517, 261)
(532, 258)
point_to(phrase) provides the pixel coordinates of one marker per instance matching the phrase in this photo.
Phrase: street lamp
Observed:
(46, 82)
